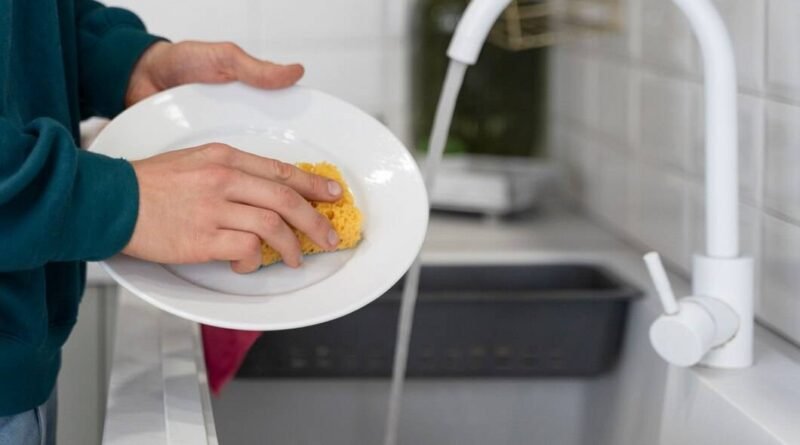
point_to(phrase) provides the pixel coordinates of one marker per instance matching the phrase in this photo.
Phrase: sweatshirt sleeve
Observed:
(59, 203)
(110, 42)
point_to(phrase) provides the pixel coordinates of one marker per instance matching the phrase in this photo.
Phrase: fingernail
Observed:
(333, 238)
(334, 188)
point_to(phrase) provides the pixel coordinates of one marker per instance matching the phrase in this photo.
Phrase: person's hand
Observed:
(214, 202)
(165, 65)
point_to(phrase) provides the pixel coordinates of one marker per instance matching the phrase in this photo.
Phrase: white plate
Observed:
(295, 124)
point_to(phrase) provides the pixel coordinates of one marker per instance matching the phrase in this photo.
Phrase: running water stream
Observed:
(438, 140)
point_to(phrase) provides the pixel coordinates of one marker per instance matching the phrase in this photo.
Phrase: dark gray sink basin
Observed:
(471, 321)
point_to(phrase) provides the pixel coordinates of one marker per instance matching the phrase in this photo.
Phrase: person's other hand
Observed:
(165, 65)
(214, 202)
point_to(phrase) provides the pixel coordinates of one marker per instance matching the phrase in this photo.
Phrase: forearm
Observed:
(58, 203)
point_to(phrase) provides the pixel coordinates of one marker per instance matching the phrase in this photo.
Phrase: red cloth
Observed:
(225, 350)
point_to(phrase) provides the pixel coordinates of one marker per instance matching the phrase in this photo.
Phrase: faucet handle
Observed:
(690, 328)
(685, 333)
(660, 280)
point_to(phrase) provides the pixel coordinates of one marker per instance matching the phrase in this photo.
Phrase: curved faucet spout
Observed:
(472, 29)
(719, 69)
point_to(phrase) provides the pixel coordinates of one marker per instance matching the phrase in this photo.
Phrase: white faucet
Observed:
(473, 27)
(714, 326)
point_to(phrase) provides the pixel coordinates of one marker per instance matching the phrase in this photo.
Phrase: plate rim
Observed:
(378, 290)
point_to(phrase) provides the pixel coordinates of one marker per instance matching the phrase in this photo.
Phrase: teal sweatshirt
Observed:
(60, 61)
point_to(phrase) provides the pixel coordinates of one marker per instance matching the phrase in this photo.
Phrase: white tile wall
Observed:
(594, 194)
(649, 79)
(783, 58)
(751, 148)
(668, 112)
(780, 302)
(397, 18)
(346, 46)
(625, 40)
(782, 182)
(395, 89)
(196, 20)
(746, 19)
(613, 107)
(662, 213)
(294, 23)
(612, 202)
(666, 38)
(353, 73)
(580, 168)
(566, 95)
(697, 146)
(580, 78)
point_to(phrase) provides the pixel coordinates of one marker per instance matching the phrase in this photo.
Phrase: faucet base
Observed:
(729, 280)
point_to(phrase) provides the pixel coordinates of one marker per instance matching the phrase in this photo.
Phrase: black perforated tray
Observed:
(471, 321)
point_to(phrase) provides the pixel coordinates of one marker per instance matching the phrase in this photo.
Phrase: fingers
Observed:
(310, 186)
(261, 73)
(287, 203)
(242, 249)
(268, 225)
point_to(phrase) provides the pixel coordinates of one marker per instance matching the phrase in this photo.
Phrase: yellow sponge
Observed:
(343, 215)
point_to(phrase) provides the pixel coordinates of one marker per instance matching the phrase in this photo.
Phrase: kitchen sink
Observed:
(515, 320)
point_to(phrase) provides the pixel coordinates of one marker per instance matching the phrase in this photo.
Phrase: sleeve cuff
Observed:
(104, 207)
(108, 68)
